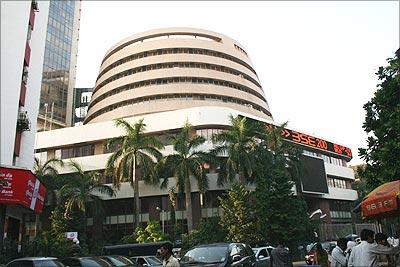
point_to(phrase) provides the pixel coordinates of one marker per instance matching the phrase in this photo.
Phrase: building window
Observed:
(336, 182)
(79, 151)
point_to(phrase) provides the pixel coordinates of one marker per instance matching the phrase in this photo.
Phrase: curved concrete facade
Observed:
(175, 68)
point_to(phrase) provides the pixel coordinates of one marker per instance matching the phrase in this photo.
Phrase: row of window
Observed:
(340, 214)
(337, 183)
(171, 65)
(141, 100)
(208, 133)
(327, 159)
(240, 49)
(62, 11)
(191, 80)
(161, 37)
(74, 152)
(176, 51)
(333, 160)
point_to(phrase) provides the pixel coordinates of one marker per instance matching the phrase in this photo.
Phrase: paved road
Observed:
(299, 263)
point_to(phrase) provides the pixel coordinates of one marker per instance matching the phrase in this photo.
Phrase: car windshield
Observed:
(119, 261)
(48, 263)
(153, 261)
(93, 263)
(212, 254)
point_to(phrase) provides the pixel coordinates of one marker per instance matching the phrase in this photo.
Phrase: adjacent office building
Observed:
(23, 35)
(59, 66)
(169, 76)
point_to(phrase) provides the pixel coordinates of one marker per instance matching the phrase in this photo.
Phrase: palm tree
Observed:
(238, 143)
(81, 189)
(133, 150)
(185, 162)
(48, 174)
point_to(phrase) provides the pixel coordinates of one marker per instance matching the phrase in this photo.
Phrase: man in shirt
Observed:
(280, 256)
(338, 257)
(365, 254)
(167, 255)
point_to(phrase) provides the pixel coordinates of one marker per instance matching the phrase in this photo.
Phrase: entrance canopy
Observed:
(382, 202)
(21, 187)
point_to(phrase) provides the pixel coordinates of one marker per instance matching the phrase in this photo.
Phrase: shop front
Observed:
(21, 195)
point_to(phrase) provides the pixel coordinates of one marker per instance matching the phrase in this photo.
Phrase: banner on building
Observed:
(21, 187)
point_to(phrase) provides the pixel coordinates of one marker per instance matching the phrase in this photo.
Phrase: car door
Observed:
(240, 256)
(263, 258)
(21, 263)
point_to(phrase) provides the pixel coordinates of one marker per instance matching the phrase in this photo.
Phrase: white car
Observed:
(263, 256)
(147, 260)
(35, 262)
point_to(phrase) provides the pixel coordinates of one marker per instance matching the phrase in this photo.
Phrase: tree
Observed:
(81, 189)
(134, 150)
(48, 174)
(151, 233)
(209, 231)
(382, 124)
(237, 220)
(187, 161)
(238, 143)
(281, 215)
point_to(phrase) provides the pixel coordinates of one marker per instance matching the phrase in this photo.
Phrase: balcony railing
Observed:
(23, 122)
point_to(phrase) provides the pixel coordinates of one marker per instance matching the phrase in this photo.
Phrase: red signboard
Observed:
(21, 187)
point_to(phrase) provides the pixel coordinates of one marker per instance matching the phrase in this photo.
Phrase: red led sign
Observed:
(308, 140)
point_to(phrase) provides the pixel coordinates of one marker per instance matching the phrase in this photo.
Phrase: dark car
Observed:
(85, 262)
(147, 260)
(119, 261)
(35, 262)
(220, 254)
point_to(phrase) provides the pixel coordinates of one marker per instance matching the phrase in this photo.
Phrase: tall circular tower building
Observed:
(172, 69)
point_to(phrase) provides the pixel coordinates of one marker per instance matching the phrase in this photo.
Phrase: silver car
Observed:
(147, 260)
(35, 262)
(263, 256)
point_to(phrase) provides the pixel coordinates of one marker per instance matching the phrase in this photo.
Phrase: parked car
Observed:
(85, 262)
(35, 262)
(131, 250)
(119, 261)
(220, 254)
(263, 256)
(328, 246)
(147, 260)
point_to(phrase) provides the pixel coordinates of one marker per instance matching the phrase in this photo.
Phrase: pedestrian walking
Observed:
(365, 254)
(321, 256)
(167, 255)
(384, 260)
(280, 256)
(76, 248)
(338, 257)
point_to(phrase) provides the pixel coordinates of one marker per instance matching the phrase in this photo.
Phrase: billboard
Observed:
(21, 187)
(313, 176)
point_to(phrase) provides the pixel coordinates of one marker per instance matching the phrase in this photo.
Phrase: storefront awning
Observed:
(21, 187)
(382, 202)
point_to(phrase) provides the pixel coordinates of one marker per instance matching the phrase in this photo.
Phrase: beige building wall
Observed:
(175, 68)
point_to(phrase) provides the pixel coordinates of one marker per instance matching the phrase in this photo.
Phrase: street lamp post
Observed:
(162, 218)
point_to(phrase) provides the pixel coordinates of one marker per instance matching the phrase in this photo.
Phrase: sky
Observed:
(316, 60)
